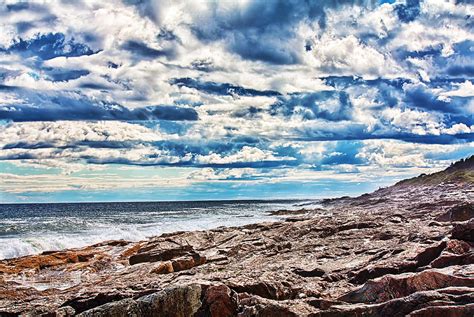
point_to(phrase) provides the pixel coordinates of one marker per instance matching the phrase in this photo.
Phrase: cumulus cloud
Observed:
(235, 88)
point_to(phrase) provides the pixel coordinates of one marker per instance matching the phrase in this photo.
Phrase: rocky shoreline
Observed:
(402, 250)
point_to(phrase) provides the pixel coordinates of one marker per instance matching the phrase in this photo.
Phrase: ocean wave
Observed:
(13, 246)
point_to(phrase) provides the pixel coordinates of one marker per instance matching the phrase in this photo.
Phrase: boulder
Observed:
(219, 301)
(439, 303)
(181, 301)
(187, 262)
(394, 286)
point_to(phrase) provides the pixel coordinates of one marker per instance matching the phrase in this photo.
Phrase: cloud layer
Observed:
(237, 91)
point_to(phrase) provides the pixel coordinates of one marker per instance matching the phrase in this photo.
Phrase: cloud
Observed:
(279, 91)
(328, 105)
(409, 11)
(35, 106)
(220, 88)
(247, 156)
(48, 46)
(143, 50)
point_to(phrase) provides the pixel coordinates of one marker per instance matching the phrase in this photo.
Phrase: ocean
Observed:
(33, 228)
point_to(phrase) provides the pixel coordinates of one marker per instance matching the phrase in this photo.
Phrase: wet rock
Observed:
(288, 212)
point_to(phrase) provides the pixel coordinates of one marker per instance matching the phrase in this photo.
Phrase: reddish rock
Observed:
(394, 286)
(187, 262)
(157, 254)
(163, 268)
(219, 301)
(460, 212)
(466, 310)
(464, 231)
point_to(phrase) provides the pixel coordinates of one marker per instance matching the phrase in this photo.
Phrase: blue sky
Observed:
(171, 100)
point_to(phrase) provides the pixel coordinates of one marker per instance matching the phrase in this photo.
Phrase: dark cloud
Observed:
(220, 88)
(408, 12)
(21, 6)
(112, 65)
(48, 46)
(263, 30)
(168, 35)
(144, 51)
(420, 96)
(461, 70)
(60, 74)
(74, 106)
(173, 113)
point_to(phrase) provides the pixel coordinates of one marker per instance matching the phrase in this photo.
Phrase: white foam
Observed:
(16, 246)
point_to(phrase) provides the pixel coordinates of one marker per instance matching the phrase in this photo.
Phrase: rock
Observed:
(65, 311)
(255, 306)
(182, 301)
(88, 301)
(374, 255)
(373, 272)
(163, 268)
(466, 310)
(438, 303)
(48, 259)
(394, 286)
(187, 262)
(429, 254)
(457, 247)
(464, 231)
(460, 212)
(219, 301)
(274, 290)
(121, 308)
(316, 272)
(155, 255)
(448, 259)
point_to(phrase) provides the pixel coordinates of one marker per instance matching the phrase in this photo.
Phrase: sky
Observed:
(187, 100)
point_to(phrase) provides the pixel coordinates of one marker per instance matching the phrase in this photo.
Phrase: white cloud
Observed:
(246, 154)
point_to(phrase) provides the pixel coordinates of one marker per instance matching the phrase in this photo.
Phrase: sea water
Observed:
(32, 228)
